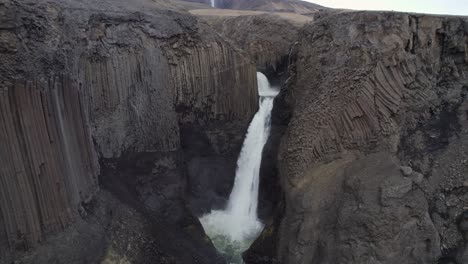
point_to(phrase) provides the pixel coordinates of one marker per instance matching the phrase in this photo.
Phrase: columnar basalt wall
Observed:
(48, 162)
(49, 165)
(379, 111)
(215, 82)
(267, 38)
(78, 84)
(129, 101)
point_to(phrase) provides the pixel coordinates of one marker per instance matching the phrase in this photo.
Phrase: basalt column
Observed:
(48, 163)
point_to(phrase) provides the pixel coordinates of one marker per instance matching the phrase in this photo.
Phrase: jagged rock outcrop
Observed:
(114, 81)
(373, 92)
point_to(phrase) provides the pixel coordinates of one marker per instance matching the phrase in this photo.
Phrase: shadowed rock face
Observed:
(110, 82)
(373, 92)
(266, 38)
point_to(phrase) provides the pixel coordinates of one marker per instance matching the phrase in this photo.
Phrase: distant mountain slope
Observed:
(296, 6)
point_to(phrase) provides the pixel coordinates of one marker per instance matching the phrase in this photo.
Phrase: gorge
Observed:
(122, 122)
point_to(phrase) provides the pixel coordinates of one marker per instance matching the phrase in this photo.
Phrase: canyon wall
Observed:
(371, 128)
(89, 82)
(49, 165)
(48, 162)
(267, 38)
(373, 162)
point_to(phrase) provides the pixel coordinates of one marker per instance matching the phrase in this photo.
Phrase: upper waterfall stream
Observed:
(234, 229)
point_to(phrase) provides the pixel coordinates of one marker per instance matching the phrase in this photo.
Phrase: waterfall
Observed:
(213, 3)
(237, 226)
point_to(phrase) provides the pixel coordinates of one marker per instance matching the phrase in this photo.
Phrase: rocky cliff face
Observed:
(266, 38)
(373, 162)
(371, 128)
(109, 81)
(49, 165)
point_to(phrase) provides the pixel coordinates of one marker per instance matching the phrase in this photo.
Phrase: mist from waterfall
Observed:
(213, 3)
(234, 229)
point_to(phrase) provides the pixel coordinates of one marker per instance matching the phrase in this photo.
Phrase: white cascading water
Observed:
(233, 230)
(213, 3)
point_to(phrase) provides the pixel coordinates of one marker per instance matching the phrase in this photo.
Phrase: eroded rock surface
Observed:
(113, 83)
(371, 128)
(374, 92)
(266, 38)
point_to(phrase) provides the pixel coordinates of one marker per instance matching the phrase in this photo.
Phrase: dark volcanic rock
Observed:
(110, 231)
(157, 104)
(267, 39)
(152, 185)
(373, 92)
(115, 80)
